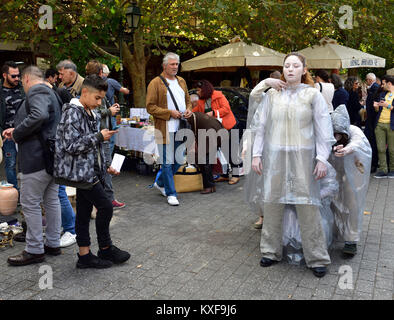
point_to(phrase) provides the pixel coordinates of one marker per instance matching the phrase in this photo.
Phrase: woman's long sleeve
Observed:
(323, 130)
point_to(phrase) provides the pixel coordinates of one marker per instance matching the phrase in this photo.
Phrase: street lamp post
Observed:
(133, 16)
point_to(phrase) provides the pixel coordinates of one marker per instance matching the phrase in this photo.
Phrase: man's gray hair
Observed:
(34, 72)
(170, 55)
(66, 64)
(371, 76)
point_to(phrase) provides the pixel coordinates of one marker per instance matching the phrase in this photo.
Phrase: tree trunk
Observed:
(135, 63)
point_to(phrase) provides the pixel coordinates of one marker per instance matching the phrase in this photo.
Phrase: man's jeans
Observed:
(385, 136)
(68, 214)
(169, 153)
(40, 187)
(9, 153)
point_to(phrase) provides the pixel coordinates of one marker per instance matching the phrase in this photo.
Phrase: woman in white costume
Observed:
(291, 147)
(351, 158)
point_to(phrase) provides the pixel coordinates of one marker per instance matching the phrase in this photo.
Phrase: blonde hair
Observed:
(306, 78)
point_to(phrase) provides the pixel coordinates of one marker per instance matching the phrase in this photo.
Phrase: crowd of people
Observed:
(299, 129)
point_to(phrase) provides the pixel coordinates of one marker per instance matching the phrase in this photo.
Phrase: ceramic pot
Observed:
(8, 199)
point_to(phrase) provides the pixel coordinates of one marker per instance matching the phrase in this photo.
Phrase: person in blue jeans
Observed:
(68, 219)
(10, 152)
(11, 96)
(171, 158)
(168, 100)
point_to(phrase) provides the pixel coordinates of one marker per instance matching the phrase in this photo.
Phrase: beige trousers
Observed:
(312, 234)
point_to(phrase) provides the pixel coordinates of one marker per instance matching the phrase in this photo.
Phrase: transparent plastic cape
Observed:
(292, 130)
(353, 172)
(253, 185)
(292, 244)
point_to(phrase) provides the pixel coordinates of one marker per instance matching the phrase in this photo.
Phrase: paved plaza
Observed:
(206, 248)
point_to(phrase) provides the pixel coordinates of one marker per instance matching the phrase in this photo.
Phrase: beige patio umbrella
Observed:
(234, 55)
(330, 55)
(390, 72)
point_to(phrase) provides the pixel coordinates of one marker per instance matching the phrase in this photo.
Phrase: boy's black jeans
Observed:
(86, 199)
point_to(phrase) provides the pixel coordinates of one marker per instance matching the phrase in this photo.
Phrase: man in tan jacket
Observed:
(70, 78)
(166, 114)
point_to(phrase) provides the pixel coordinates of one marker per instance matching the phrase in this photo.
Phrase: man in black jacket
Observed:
(371, 118)
(35, 127)
(11, 96)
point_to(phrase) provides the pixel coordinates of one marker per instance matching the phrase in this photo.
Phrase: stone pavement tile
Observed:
(329, 279)
(125, 294)
(384, 283)
(139, 283)
(364, 286)
(162, 280)
(25, 295)
(302, 294)
(365, 274)
(341, 297)
(282, 295)
(176, 268)
(170, 289)
(324, 292)
(154, 272)
(202, 294)
(18, 288)
(382, 294)
(180, 295)
(360, 295)
(287, 285)
(204, 274)
(345, 292)
(184, 276)
(309, 281)
(369, 265)
(193, 285)
(384, 272)
(148, 291)
(102, 295)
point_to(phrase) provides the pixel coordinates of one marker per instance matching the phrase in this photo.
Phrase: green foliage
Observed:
(189, 25)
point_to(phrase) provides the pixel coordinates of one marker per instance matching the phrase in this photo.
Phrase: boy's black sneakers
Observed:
(113, 254)
(91, 261)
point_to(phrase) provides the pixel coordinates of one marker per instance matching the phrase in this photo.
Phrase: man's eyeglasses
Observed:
(13, 76)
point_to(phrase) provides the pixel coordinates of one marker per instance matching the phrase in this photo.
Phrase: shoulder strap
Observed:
(169, 90)
(321, 87)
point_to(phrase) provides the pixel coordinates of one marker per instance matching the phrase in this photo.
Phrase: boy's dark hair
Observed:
(388, 78)
(50, 73)
(7, 65)
(322, 74)
(95, 82)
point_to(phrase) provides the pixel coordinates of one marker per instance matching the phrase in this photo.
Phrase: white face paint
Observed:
(293, 70)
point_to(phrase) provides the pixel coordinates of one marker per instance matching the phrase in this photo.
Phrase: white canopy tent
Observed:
(390, 72)
(234, 55)
(330, 55)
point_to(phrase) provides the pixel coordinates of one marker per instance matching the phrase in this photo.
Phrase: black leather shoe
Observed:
(52, 251)
(265, 262)
(25, 258)
(319, 271)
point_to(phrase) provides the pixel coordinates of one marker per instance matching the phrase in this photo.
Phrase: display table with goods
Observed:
(136, 141)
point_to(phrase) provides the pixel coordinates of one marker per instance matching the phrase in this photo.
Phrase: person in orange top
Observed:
(215, 104)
